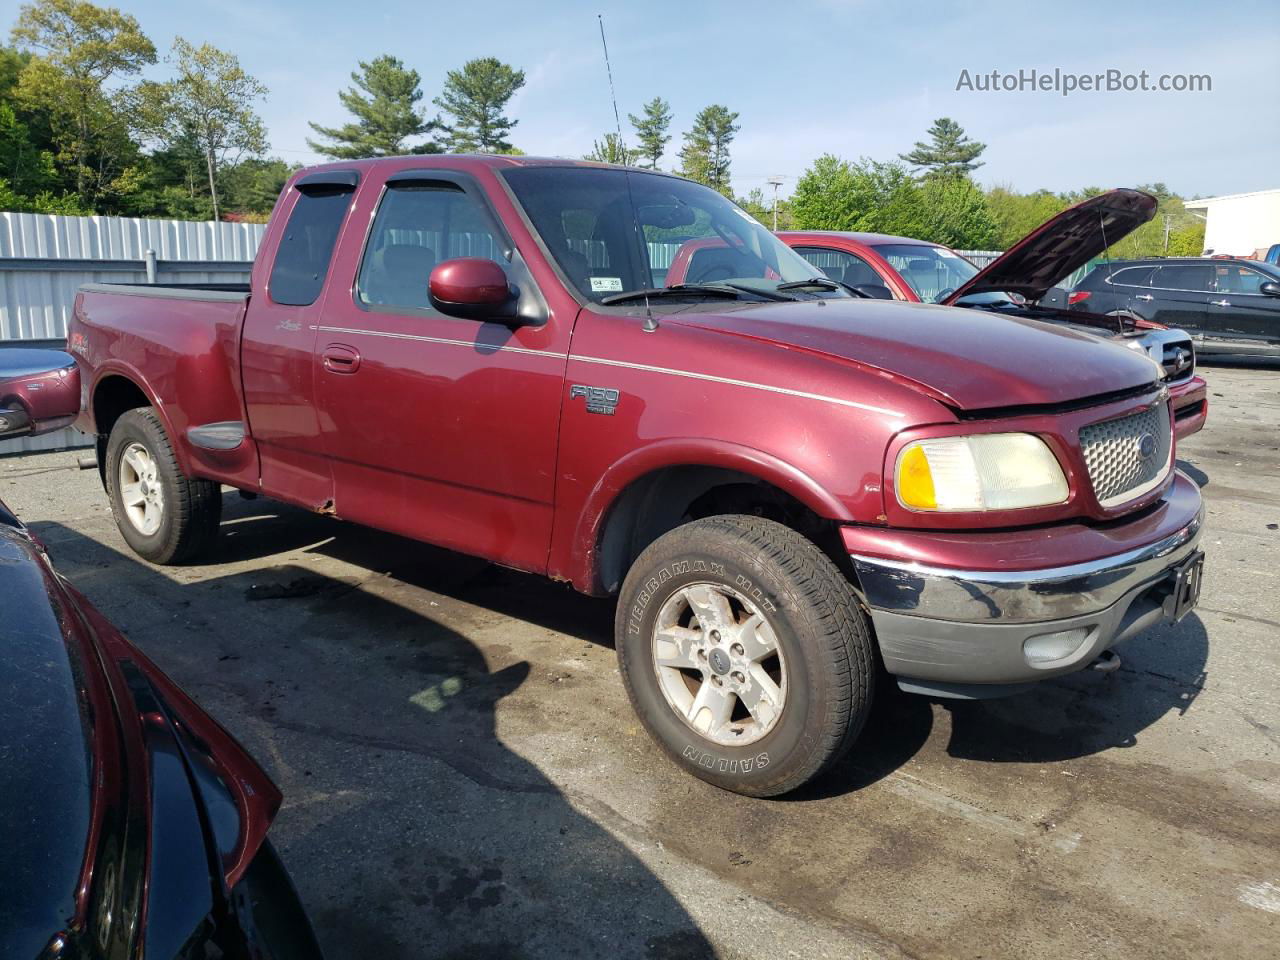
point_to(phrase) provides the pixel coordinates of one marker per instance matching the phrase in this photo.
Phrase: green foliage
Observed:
(80, 49)
(610, 150)
(475, 98)
(705, 154)
(209, 104)
(384, 102)
(43, 202)
(651, 130)
(1017, 214)
(948, 154)
(879, 197)
(761, 207)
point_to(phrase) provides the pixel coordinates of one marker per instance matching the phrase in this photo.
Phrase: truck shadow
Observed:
(1162, 671)
(1060, 719)
(410, 828)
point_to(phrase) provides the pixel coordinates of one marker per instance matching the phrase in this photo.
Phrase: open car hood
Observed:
(1059, 246)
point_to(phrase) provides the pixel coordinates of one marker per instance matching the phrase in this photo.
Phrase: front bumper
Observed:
(962, 630)
(1190, 406)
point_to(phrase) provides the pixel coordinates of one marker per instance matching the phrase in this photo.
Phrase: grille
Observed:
(1113, 454)
(1178, 358)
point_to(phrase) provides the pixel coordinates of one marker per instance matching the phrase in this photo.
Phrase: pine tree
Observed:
(384, 103)
(951, 153)
(651, 130)
(610, 150)
(475, 97)
(705, 154)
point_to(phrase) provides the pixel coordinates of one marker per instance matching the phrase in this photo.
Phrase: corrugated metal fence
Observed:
(44, 259)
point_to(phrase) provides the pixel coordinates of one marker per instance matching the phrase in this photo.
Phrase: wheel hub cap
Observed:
(140, 492)
(718, 664)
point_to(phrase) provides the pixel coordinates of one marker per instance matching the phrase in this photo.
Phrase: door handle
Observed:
(1144, 296)
(340, 358)
(1220, 303)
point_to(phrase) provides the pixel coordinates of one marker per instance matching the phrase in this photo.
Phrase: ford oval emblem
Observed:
(1147, 445)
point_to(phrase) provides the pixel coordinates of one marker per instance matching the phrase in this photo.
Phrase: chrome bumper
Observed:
(940, 628)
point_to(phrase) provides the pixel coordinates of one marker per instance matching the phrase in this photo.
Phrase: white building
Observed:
(1241, 224)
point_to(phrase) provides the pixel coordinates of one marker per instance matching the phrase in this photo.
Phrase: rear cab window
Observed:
(302, 258)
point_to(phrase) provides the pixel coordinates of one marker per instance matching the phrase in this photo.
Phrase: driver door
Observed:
(438, 428)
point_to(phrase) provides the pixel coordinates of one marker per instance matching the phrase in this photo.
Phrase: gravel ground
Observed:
(463, 776)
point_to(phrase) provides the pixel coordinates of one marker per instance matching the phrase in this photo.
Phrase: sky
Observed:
(849, 77)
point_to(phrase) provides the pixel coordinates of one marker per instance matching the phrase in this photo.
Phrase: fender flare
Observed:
(118, 368)
(686, 452)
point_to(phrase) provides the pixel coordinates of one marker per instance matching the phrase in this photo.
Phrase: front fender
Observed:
(578, 560)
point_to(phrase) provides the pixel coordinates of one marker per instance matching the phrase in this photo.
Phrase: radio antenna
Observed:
(650, 321)
(617, 119)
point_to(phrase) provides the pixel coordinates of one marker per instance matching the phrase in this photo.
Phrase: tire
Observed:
(178, 518)
(823, 671)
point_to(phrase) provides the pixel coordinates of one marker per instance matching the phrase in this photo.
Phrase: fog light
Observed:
(1048, 647)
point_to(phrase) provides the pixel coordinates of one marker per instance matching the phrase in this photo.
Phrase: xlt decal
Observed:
(599, 399)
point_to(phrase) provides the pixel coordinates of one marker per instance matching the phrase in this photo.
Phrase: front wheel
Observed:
(744, 653)
(164, 515)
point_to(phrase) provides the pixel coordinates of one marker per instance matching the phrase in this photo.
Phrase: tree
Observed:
(84, 47)
(761, 207)
(610, 150)
(834, 194)
(384, 103)
(209, 102)
(651, 130)
(952, 211)
(705, 154)
(1017, 214)
(475, 97)
(950, 154)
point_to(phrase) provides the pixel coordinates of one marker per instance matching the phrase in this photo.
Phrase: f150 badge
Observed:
(599, 399)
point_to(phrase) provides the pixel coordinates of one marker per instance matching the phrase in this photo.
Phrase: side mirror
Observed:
(877, 291)
(1271, 289)
(473, 288)
(39, 391)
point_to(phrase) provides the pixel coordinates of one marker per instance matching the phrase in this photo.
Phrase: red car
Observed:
(1017, 282)
(132, 824)
(783, 484)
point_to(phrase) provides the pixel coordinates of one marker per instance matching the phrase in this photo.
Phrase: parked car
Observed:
(782, 484)
(132, 824)
(1020, 282)
(1228, 304)
(1273, 254)
(39, 391)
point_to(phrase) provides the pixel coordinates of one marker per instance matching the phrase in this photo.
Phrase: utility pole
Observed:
(1168, 220)
(775, 182)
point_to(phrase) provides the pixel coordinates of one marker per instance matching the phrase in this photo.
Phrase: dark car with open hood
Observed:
(131, 824)
(1023, 282)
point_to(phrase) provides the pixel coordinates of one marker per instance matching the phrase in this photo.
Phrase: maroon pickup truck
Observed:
(793, 491)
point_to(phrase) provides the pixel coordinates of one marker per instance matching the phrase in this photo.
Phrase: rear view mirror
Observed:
(39, 391)
(876, 291)
(665, 216)
(1271, 288)
(473, 288)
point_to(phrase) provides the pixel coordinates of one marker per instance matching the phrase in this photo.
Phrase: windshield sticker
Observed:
(606, 284)
(943, 252)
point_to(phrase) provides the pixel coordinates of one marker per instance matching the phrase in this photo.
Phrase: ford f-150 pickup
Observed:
(794, 492)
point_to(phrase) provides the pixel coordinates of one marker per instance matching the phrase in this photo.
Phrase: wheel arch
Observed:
(654, 489)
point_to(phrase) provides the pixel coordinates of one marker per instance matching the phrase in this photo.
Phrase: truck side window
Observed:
(302, 260)
(418, 225)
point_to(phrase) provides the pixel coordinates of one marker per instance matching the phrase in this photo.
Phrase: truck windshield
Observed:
(615, 232)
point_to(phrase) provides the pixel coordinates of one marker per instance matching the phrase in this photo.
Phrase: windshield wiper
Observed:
(824, 282)
(728, 291)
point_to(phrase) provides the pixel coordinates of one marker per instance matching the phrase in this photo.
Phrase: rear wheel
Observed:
(165, 516)
(744, 653)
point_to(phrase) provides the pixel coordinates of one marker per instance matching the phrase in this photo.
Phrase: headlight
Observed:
(994, 471)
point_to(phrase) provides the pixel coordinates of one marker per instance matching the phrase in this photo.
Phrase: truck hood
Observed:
(970, 360)
(1061, 245)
